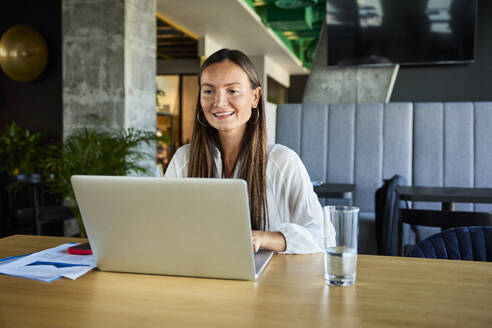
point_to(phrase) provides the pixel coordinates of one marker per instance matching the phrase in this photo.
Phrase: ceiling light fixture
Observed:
(295, 4)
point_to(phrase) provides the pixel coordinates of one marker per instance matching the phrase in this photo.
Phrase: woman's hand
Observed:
(271, 240)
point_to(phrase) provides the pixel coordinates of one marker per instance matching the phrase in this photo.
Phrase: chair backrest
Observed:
(463, 243)
(387, 210)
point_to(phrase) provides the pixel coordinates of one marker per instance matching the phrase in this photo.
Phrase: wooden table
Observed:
(389, 292)
(446, 195)
(334, 190)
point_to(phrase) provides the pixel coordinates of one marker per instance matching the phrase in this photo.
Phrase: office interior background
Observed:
(38, 105)
(47, 104)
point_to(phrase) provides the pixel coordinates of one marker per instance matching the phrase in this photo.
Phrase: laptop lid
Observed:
(186, 227)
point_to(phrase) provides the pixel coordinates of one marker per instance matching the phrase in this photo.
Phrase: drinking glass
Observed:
(341, 253)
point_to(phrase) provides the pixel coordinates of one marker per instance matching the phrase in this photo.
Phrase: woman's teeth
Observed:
(223, 114)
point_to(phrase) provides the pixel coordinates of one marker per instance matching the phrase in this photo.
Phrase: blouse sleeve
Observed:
(302, 214)
(178, 166)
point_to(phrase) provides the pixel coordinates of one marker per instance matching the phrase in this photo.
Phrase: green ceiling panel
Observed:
(288, 19)
(294, 4)
(298, 28)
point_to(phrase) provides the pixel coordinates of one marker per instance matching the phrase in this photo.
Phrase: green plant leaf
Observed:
(20, 150)
(92, 152)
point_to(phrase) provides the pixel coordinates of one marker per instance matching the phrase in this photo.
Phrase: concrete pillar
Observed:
(346, 84)
(109, 65)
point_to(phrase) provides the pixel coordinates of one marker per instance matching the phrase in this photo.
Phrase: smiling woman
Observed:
(229, 141)
(227, 98)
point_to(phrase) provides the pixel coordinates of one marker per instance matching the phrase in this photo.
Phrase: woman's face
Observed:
(226, 97)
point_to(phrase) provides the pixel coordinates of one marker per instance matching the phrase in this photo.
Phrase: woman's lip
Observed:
(222, 114)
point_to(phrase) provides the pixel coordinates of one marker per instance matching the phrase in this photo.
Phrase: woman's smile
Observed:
(223, 115)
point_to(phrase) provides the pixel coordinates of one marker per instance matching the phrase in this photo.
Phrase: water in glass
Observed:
(340, 265)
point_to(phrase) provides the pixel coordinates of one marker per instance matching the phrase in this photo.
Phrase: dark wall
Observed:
(36, 105)
(297, 87)
(466, 82)
(470, 82)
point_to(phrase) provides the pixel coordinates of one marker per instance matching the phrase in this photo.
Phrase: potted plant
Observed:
(95, 153)
(20, 150)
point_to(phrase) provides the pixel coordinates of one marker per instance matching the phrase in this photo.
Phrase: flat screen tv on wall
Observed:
(407, 32)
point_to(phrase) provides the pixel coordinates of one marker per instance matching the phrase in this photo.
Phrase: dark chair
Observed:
(463, 243)
(29, 210)
(441, 219)
(387, 207)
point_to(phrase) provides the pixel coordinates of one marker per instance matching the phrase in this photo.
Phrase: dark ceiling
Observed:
(173, 43)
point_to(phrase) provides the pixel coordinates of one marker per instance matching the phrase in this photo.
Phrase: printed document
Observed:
(49, 265)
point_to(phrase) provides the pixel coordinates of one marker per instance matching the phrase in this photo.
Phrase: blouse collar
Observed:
(218, 164)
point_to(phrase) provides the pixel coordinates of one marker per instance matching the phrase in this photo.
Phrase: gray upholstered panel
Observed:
(288, 132)
(428, 147)
(368, 154)
(483, 150)
(451, 145)
(314, 128)
(397, 140)
(458, 147)
(341, 143)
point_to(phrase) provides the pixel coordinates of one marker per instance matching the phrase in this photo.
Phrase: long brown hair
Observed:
(204, 142)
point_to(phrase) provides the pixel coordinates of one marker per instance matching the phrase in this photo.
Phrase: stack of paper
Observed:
(48, 265)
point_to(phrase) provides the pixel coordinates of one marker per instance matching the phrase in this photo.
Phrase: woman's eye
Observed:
(207, 92)
(234, 91)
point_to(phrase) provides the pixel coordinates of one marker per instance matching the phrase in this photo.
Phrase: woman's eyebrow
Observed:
(212, 86)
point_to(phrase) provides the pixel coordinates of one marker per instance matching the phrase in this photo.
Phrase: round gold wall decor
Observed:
(23, 53)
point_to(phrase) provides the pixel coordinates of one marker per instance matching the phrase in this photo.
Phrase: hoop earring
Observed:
(257, 116)
(198, 119)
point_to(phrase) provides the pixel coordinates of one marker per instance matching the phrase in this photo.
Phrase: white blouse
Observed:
(293, 207)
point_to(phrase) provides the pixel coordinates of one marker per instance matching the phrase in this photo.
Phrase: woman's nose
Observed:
(220, 99)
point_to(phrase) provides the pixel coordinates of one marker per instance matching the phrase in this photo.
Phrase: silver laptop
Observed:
(184, 227)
